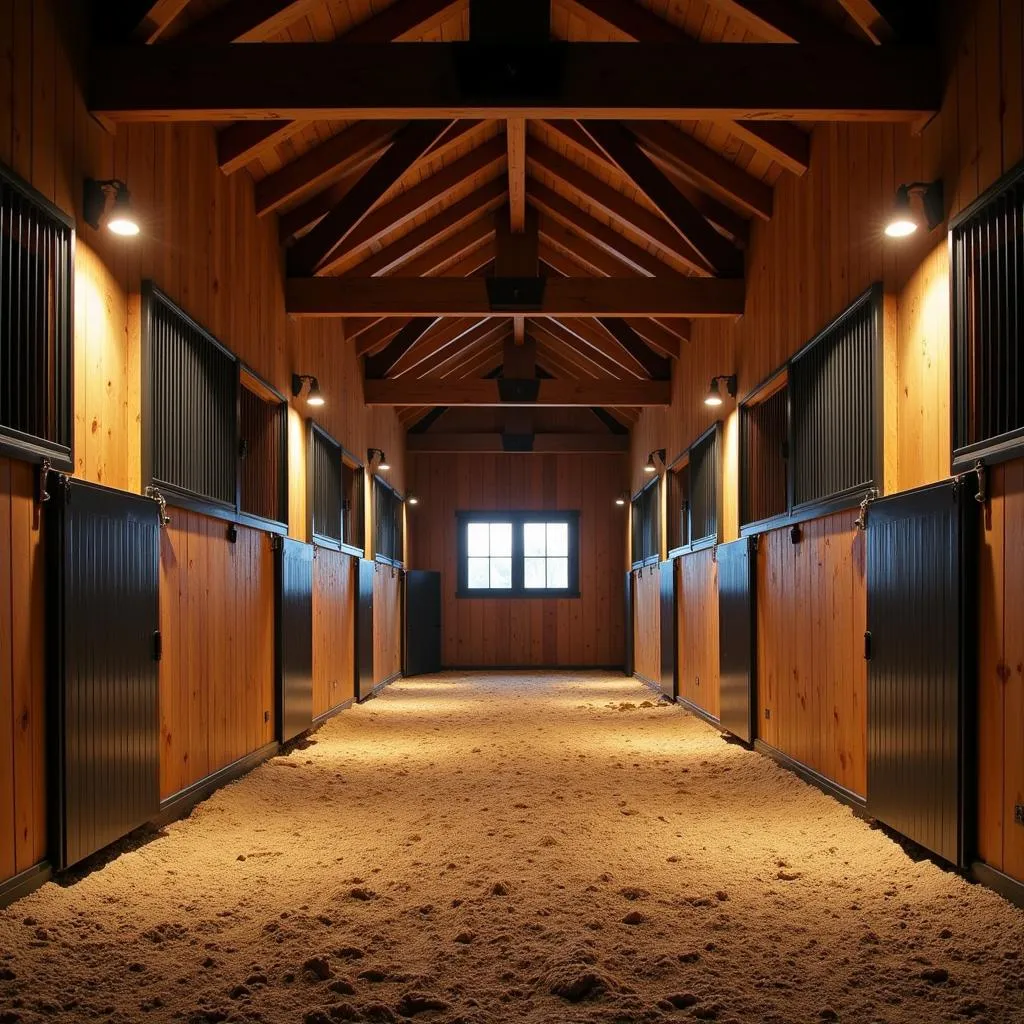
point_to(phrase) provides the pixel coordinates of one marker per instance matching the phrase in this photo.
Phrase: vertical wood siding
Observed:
(697, 610)
(387, 623)
(647, 624)
(335, 583)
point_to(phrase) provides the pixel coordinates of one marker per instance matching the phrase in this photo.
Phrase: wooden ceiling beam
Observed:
(339, 155)
(380, 365)
(515, 134)
(444, 337)
(653, 229)
(146, 22)
(621, 147)
(543, 443)
(571, 134)
(377, 334)
(245, 21)
(451, 359)
(703, 166)
(317, 250)
(239, 144)
(714, 81)
(471, 296)
(658, 367)
(463, 254)
(598, 348)
(783, 21)
(564, 363)
(869, 19)
(485, 393)
(784, 143)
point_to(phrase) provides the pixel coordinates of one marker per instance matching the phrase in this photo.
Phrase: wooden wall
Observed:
(647, 624)
(697, 611)
(217, 700)
(335, 589)
(22, 678)
(387, 623)
(588, 630)
(1001, 672)
(203, 245)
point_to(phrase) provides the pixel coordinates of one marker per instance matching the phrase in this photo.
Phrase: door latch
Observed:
(158, 646)
(867, 645)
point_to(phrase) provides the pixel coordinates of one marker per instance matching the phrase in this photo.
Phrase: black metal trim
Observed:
(332, 712)
(382, 685)
(282, 485)
(1009, 888)
(25, 882)
(846, 502)
(530, 668)
(324, 540)
(701, 713)
(35, 450)
(813, 778)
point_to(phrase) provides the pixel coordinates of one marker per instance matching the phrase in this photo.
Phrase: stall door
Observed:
(364, 630)
(103, 553)
(422, 622)
(669, 586)
(295, 638)
(736, 650)
(916, 707)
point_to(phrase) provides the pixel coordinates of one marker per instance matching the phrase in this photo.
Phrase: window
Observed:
(324, 496)
(214, 434)
(36, 265)
(765, 441)
(518, 554)
(695, 494)
(812, 435)
(678, 505)
(646, 519)
(987, 253)
(390, 515)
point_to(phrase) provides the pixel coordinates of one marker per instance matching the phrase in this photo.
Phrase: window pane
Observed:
(479, 540)
(501, 538)
(558, 573)
(535, 576)
(534, 539)
(479, 573)
(501, 573)
(558, 538)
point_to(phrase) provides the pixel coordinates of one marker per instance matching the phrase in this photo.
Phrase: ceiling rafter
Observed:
(515, 133)
(869, 19)
(380, 365)
(597, 350)
(450, 361)
(245, 21)
(550, 393)
(313, 252)
(448, 332)
(783, 21)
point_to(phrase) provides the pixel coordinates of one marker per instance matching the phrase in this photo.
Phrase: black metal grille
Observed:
(705, 487)
(646, 525)
(36, 266)
(390, 530)
(193, 410)
(678, 507)
(765, 431)
(352, 506)
(263, 429)
(325, 478)
(833, 388)
(988, 321)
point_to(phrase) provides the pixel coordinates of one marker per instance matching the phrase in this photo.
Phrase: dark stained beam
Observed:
(657, 366)
(714, 81)
(583, 339)
(467, 297)
(380, 365)
(485, 393)
(784, 143)
(246, 21)
(543, 443)
(622, 148)
(515, 133)
(783, 21)
(142, 20)
(424, 423)
(614, 425)
(447, 339)
(516, 254)
(239, 144)
(869, 18)
(316, 250)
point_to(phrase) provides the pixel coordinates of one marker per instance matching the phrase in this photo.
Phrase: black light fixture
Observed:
(903, 221)
(714, 395)
(122, 220)
(382, 464)
(651, 466)
(622, 498)
(315, 396)
(412, 499)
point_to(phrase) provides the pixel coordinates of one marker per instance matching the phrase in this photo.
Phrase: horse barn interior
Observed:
(512, 511)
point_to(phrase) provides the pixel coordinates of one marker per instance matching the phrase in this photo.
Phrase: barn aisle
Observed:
(485, 848)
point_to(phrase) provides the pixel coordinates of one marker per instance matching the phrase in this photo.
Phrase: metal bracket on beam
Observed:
(515, 294)
(512, 390)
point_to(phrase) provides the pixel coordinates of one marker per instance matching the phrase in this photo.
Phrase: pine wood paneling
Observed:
(647, 624)
(387, 623)
(812, 677)
(588, 630)
(335, 585)
(697, 612)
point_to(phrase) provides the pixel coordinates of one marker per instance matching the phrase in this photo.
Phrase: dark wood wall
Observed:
(588, 630)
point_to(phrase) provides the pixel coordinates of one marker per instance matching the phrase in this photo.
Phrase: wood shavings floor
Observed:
(474, 849)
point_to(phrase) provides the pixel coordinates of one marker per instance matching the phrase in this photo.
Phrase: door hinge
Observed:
(981, 495)
(867, 645)
(861, 522)
(154, 493)
(43, 495)
(158, 646)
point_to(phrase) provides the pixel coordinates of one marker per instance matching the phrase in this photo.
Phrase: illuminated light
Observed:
(652, 466)
(315, 397)
(413, 500)
(714, 395)
(902, 220)
(383, 465)
(122, 220)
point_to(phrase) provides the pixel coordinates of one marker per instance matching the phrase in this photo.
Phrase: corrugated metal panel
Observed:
(646, 523)
(736, 638)
(705, 486)
(36, 267)
(364, 630)
(628, 663)
(325, 484)
(987, 253)
(916, 708)
(104, 549)
(765, 427)
(390, 521)
(263, 430)
(669, 577)
(352, 482)
(192, 386)
(834, 394)
(294, 638)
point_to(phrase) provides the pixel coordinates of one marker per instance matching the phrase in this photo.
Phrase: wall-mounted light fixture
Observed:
(382, 465)
(622, 499)
(122, 220)
(651, 466)
(315, 396)
(903, 221)
(412, 499)
(714, 395)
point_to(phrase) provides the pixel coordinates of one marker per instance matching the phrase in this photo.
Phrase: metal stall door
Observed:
(669, 584)
(629, 602)
(103, 591)
(736, 637)
(422, 622)
(917, 712)
(294, 570)
(364, 630)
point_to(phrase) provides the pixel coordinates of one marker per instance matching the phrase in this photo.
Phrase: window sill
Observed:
(520, 595)
(32, 449)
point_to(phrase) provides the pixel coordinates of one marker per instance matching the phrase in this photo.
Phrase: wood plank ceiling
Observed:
(574, 201)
